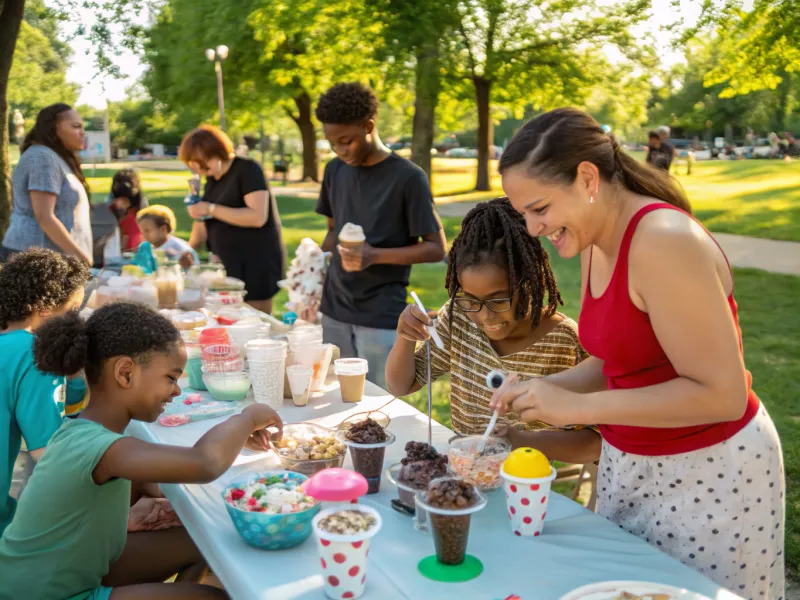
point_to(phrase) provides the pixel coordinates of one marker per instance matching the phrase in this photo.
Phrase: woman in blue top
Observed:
(68, 538)
(51, 196)
(34, 286)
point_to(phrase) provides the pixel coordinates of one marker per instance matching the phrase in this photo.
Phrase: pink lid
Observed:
(336, 485)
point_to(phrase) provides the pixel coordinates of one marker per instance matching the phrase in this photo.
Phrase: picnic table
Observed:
(576, 548)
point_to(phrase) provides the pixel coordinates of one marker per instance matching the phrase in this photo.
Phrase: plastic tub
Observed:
(220, 353)
(214, 335)
(482, 471)
(230, 386)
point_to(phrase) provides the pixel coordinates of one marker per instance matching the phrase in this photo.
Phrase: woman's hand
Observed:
(412, 324)
(198, 210)
(357, 260)
(537, 400)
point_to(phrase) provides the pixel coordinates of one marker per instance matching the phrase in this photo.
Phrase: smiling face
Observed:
(69, 129)
(352, 143)
(490, 282)
(154, 383)
(566, 214)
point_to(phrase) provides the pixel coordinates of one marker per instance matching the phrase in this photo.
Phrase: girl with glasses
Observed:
(502, 315)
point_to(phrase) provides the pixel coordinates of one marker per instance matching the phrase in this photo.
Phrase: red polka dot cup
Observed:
(343, 558)
(526, 500)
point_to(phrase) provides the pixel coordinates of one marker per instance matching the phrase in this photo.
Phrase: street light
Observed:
(218, 55)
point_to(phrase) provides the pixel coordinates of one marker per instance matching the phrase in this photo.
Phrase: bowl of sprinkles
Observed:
(270, 510)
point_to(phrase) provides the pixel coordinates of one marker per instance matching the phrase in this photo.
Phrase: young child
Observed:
(35, 286)
(157, 223)
(496, 319)
(126, 200)
(68, 538)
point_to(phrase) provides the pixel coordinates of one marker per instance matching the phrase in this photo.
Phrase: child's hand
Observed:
(412, 324)
(186, 260)
(262, 417)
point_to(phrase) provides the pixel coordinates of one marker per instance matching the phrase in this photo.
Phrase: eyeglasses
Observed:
(495, 305)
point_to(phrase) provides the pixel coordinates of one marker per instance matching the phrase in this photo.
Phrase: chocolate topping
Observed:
(367, 432)
(451, 494)
(421, 465)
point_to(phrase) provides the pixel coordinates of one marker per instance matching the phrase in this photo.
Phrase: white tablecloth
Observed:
(576, 548)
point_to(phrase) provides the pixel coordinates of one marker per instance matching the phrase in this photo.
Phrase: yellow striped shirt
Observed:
(468, 357)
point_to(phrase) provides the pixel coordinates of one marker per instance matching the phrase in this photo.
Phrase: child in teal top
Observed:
(34, 286)
(68, 538)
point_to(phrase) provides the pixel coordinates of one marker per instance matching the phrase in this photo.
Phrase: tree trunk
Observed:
(427, 86)
(784, 93)
(308, 135)
(11, 12)
(482, 95)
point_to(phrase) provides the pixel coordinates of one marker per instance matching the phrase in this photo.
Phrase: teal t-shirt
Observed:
(31, 408)
(67, 529)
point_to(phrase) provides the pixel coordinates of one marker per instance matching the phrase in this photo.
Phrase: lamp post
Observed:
(217, 56)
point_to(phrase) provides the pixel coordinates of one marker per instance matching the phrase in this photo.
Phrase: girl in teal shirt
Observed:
(35, 285)
(68, 538)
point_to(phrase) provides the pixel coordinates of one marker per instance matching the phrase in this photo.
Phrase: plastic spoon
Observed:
(493, 381)
(431, 328)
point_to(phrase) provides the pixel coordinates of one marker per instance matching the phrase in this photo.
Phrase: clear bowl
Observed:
(304, 432)
(481, 471)
(230, 386)
(229, 284)
(266, 531)
(379, 417)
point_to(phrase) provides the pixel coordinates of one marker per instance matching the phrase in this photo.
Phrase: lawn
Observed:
(768, 302)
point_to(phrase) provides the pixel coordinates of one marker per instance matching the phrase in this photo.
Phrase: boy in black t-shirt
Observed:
(389, 197)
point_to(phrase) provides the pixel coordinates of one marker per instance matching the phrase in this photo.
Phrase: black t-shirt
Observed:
(259, 243)
(392, 201)
(669, 150)
(659, 158)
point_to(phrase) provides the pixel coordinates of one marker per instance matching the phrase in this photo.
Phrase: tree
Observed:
(536, 52)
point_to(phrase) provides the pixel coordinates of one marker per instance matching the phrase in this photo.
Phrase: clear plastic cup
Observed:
(243, 331)
(265, 349)
(526, 500)
(220, 353)
(300, 378)
(352, 375)
(343, 558)
(263, 332)
(367, 458)
(482, 470)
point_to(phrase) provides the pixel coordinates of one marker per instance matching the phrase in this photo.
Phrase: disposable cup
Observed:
(367, 458)
(343, 558)
(243, 331)
(260, 349)
(526, 500)
(450, 527)
(266, 377)
(352, 375)
(300, 383)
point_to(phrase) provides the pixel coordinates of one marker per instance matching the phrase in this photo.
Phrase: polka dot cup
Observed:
(526, 500)
(343, 558)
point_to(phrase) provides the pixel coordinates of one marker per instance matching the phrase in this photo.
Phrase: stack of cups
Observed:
(302, 340)
(223, 372)
(243, 331)
(194, 363)
(267, 360)
(343, 557)
(264, 331)
(299, 377)
(352, 374)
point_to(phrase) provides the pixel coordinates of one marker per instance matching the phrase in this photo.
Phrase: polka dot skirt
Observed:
(719, 510)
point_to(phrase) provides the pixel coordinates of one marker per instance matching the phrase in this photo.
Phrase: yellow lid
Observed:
(527, 462)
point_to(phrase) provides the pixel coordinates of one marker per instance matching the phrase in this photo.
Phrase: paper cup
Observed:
(352, 374)
(368, 458)
(265, 350)
(300, 383)
(343, 558)
(526, 500)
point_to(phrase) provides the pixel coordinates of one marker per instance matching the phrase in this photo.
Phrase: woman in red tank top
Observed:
(691, 462)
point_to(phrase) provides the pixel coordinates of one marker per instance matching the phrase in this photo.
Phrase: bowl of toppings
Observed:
(308, 448)
(480, 469)
(633, 590)
(270, 510)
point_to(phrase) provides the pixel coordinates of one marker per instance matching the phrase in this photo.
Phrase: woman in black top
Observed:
(242, 222)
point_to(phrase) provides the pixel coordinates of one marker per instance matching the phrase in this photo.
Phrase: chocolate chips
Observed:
(366, 432)
(451, 494)
(422, 465)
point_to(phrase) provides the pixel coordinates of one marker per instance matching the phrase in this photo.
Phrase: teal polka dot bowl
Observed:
(266, 531)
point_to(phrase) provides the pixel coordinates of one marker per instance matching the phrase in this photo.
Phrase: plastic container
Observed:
(344, 557)
(229, 284)
(265, 349)
(263, 332)
(300, 379)
(242, 332)
(267, 377)
(220, 353)
(305, 432)
(406, 494)
(368, 458)
(215, 301)
(194, 367)
(169, 282)
(213, 335)
(229, 386)
(267, 531)
(482, 471)
(189, 320)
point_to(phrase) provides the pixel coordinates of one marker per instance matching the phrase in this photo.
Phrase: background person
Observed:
(51, 196)
(691, 461)
(242, 225)
(389, 197)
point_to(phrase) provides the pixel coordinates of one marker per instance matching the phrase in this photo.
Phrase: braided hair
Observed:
(494, 233)
(44, 133)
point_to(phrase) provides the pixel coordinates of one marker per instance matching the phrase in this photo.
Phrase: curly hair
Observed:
(125, 184)
(347, 103)
(494, 233)
(44, 132)
(38, 280)
(64, 345)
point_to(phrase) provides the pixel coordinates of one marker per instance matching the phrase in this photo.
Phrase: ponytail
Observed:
(553, 145)
(61, 345)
